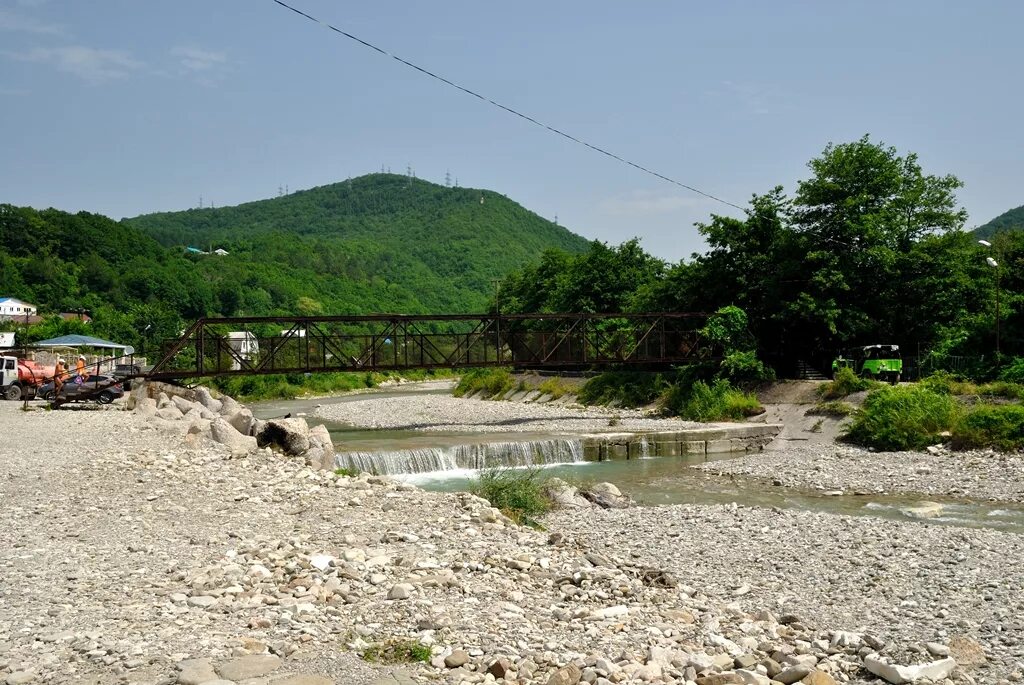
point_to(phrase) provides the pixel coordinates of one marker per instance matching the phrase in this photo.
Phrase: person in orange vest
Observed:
(80, 369)
(58, 376)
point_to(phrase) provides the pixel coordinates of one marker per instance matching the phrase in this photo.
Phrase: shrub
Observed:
(342, 471)
(556, 387)
(625, 388)
(519, 494)
(987, 425)
(716, 402)
(899, 418)
(831, 408)
(744, 369)
(1014, 371)
(492, 382)
(397, 652)
(844, 383)
(949, 384)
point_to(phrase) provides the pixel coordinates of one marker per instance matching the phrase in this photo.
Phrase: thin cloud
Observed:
(90, 64)
(19, 23)
(196, 59)
(647, 202)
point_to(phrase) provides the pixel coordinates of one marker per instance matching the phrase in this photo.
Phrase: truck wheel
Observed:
(895, 379)
(13, 393)
(49, 395)
(105, 397)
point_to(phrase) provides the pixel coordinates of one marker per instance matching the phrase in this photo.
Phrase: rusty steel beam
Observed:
(393, 342)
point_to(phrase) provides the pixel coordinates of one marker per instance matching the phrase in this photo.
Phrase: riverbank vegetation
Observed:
(915, 416)
(519, 494)
(294, 385)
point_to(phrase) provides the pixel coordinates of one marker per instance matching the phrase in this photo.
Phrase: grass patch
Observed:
(845, 383)
(624, 388)
(342, 471)
(987, 425)
(556, 387)
(900, 418)
(292, 385)
(520, 494)
(835, 408)
(397, 652)
(949, 384)
(492, 382)
(716, 402)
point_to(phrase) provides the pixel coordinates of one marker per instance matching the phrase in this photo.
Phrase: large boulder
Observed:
(223, 432)
(145, 407)
(291, 436)
(606, 496)
(204, 398)
(565, 496)
(320, 454)
(228, 406)
(242, 420)
(183, 405)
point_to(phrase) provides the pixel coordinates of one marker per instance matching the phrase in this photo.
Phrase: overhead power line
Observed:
(488, 100)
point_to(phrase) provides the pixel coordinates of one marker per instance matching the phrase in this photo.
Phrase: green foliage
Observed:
(492, 382)
(623, 388)
(845, 382)
(902, 417)
(716, 402)
(836, 408)
(986, 425)
(556, 388)
(1013, 372)
(745, 370)
(1012, 220)
(342, 471)
(727, 328)
(951, 384)
(377, 243)
(519, 493)
(398, 651)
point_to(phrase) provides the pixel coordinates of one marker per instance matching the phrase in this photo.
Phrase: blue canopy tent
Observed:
(84, 341)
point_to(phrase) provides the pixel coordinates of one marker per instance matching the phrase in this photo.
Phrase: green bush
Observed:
(716, 402)
(397, 652)
(343, 471)
(744, 369)
(902, 417)
(844, 383)
(519, 494)
(987, 425)
(493, 382)
(1014, 371)
(625, 388)
(831, 408)
(556, 387)
(949, 384)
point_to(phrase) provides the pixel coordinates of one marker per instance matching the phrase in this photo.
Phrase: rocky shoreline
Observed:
(137, 548)
(446, 413)
(837, 468)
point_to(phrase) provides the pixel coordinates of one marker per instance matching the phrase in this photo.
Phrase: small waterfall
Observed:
(477, 456)
(645, 447)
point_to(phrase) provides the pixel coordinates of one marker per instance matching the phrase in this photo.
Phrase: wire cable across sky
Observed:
(486, 99)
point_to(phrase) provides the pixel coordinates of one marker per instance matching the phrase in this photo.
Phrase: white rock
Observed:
(937, 670)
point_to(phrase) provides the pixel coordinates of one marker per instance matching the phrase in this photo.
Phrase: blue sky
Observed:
(124, 107)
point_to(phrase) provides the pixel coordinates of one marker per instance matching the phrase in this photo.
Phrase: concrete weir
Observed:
(714, 439)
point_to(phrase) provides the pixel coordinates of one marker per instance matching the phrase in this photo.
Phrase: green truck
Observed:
(878, 362)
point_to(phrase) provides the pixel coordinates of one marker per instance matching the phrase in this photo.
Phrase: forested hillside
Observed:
(1012, 220)
(380, 242)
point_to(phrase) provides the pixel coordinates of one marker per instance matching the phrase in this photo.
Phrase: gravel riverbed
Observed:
(446, 413)
(976, 475)
(130, 556)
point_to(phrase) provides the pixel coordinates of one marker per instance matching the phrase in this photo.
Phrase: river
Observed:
(449, 460)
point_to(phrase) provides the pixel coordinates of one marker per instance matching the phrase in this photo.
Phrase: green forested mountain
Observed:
(1012, 220)
(381, 242)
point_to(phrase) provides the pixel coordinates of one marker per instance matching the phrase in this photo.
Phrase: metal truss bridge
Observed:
(384, 342)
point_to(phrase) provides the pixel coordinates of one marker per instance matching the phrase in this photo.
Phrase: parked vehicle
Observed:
(125, 371)
(19, 378)
(877, 362)
(102, 389)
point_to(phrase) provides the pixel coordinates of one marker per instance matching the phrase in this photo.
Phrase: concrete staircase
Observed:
(808, 372)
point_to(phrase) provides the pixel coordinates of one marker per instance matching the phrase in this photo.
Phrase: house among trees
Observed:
(14, 309)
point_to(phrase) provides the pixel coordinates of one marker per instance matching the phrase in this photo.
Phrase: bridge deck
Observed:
(387, 342)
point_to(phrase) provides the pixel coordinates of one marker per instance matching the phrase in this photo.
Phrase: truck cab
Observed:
(19, 378)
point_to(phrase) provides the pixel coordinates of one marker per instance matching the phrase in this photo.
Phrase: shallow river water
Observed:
(444, 460)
